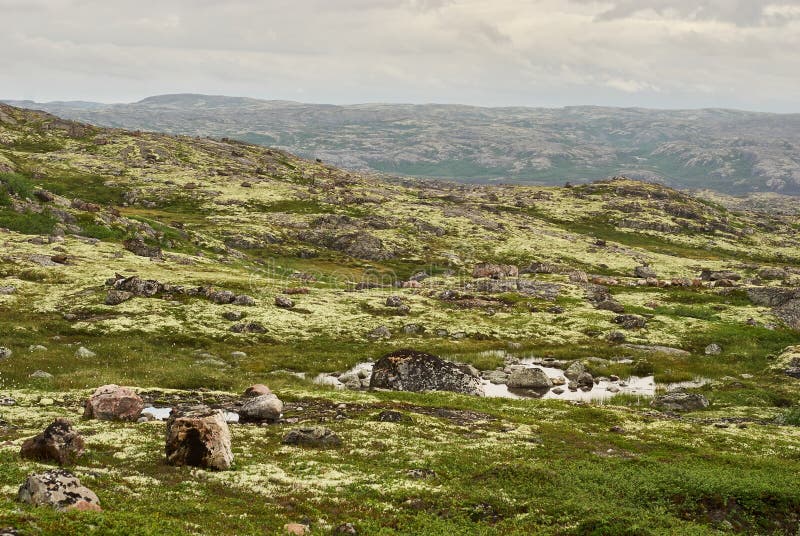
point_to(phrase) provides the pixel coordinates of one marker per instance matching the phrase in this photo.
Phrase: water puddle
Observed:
(605, 389)
(162, 414)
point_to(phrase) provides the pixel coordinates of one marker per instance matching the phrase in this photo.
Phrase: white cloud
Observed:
(670, 53)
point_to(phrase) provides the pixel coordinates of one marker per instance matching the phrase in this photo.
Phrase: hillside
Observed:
(728, 151)
(191, 268)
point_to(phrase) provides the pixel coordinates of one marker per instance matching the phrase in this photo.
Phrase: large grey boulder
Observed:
(680, 401)
(262, 408)
(199, 437)
(58, 489)
(410, 370)
(529, 378)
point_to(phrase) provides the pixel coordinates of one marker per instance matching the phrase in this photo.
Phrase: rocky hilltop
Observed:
(215, 337)
(727, 151)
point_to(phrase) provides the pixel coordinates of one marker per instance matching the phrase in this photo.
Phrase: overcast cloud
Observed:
(656, 53)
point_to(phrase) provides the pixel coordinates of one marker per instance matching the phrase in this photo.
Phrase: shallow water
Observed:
(162, 414)
(642, 386)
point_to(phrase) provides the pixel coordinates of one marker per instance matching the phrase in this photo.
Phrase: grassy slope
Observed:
(517, 466)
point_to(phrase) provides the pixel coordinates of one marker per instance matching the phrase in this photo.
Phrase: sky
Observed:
(654, 53)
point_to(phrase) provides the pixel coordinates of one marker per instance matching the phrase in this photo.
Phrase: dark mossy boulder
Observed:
(410, 370)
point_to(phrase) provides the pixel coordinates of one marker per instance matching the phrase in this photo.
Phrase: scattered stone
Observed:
(244, 300)
(113, 403)
(394, 301)
(769, 273)
(630, 321)
(261, 408)
(221, 297)
(381, 332)
(249, 327)
(283, 302)
(611, 305)
(7, 291)
(238, 355)
(5, 353)
(199, 437)
(495, 271)
(84, 353)
(616, 337)
(233, 316)
(557, 391)
(115, 297)
(58, 489)
(138, 247)
(656, 349)
(680, 401)
(59, 443)
(644, 272)
(574, 370)
(585, 381)
(41, 375)
(37, 348)
(413, 329)
(617, 429)
(392, 416)
(529, 378)
(410, 370)
(713, 349)
(314, 436)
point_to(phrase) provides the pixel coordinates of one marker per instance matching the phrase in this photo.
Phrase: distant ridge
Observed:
(729, 151)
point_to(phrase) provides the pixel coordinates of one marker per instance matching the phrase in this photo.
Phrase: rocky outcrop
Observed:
(137, 246)
(58, 489)
(495, 271)
(58, 443)
(680, 401)
(785, 302)
(410, 370)
(314, 436)
(199, 437)
(113, 403)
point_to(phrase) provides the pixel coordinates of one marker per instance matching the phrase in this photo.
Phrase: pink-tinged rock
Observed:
(113, 403)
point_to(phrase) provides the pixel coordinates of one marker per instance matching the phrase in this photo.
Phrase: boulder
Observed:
(410, 370)
(719, 275)
(7, 291)
(113, 403)
(244, 300)
(233, 316)
(611, 305)
(58, 489)
(58, 443)
(769, 273)
(5, 353)
(314, 436)
(262, 408)
(221, 296)
(41, 375)
(199, 437)
(713, 349)
(137, 286)
(680, 401)
(529, 378)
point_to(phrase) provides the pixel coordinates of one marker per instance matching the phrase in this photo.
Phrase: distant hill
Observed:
(728, 151)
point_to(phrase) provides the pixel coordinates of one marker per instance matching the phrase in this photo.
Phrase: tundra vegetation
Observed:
(188, 269)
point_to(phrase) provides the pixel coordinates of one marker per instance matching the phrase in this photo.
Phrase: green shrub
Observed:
(16, 184)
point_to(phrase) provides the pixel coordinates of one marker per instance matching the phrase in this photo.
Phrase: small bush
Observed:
(16, 184)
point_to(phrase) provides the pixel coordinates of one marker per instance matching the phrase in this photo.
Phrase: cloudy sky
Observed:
(655, 53)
